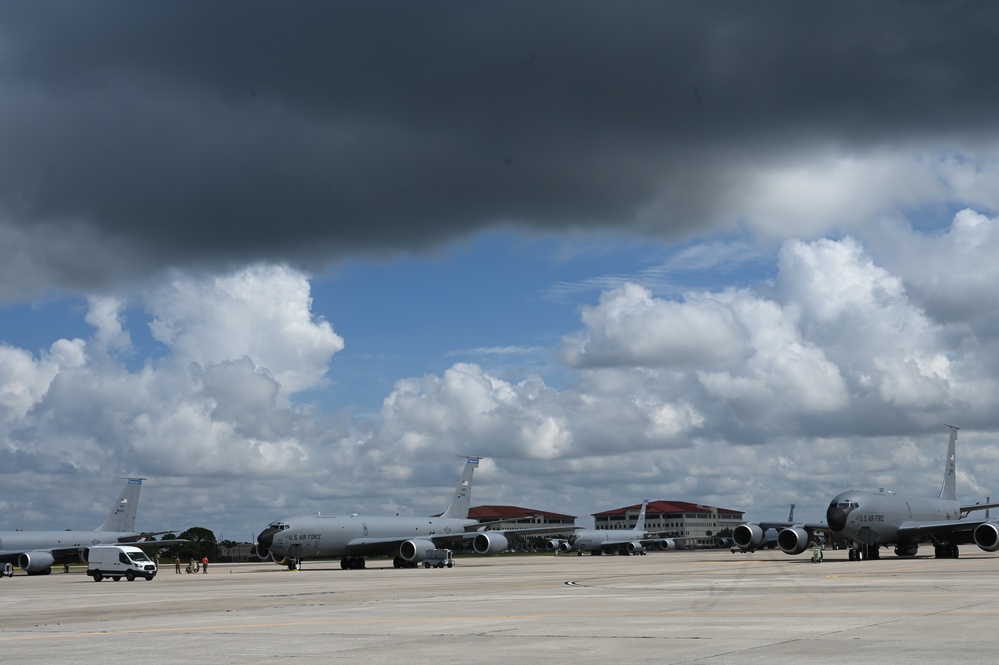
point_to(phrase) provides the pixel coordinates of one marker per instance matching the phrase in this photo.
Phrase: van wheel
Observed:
(97, 576)
(130, 576)
(116, 577)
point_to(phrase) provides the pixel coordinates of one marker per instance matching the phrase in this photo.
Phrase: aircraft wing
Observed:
(375, 546)
(527, 531)
(977, 506)
(146, 535)
(153, 543)
(785, 525)
(916, 530)
(379, 546)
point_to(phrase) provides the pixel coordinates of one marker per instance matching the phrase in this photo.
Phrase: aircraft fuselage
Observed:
(307, 536)
(594, 539)
(874, 518)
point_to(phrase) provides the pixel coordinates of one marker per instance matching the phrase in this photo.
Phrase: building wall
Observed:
(696, 524)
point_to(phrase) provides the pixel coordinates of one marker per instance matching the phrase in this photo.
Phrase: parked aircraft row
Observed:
(866, 521)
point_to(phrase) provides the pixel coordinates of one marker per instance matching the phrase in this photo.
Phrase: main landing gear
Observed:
(399, 562)
(946, 551)
(352, 562)
(864, 553)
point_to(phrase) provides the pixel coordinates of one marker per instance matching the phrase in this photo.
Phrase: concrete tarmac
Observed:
(666, 607)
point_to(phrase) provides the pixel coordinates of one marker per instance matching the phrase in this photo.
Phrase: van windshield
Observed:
(138, 556)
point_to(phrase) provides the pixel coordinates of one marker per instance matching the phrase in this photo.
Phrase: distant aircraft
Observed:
(630, 541)
(35, 552)
(871, 520)
(409, 539)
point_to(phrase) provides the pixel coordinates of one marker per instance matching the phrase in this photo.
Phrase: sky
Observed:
(282, 258)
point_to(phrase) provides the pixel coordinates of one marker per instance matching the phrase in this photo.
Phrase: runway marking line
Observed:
(452, 619)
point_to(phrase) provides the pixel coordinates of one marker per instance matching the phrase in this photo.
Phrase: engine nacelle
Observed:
(906, 550)
(416, 550)
(634, 548)
(793, 540)
(748, 536)
(554, 544)
(263, 553)
(987, 536)
(35, 562)
(490, 543)
(667, 544)
(566, 546)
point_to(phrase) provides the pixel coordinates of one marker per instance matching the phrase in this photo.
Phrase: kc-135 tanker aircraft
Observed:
(871, 520)
(622, 541)
(409, 539)
(37, 551)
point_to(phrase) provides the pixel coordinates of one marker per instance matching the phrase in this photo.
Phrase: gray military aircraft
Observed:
(35, 552)
(409, 539)
(871, 520)
(630, 541)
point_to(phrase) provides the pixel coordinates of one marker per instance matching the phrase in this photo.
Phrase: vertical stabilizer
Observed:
(461, 500)
(640, 524)
(948, 490)
(122, 516)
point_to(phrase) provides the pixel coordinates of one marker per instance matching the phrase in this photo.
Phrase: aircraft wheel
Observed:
(426, 564)
(450, 565)
(130, 576)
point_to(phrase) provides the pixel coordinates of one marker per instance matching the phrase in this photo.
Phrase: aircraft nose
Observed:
(266, 537)
(836, 517)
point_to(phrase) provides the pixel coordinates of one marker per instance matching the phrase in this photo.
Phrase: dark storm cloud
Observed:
(195, 132)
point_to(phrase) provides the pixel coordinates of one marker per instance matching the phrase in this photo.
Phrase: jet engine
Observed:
(566, 546)
(263, 553)
(415, 550)
(793, 540)
(35, 562)
(490, 543)
(906, 550)
(554, 544)
(987, 536)
(667, 544)
(748, 536)
(634, 548)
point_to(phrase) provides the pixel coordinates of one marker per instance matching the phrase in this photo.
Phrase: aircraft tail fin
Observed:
(640, 523)
(122, 516)
(461, 500)
(948, 490)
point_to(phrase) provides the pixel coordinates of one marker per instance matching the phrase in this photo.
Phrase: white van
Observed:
(114, 561)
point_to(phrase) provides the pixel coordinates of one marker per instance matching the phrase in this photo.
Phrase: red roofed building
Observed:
(674, 518)
(525, 516)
